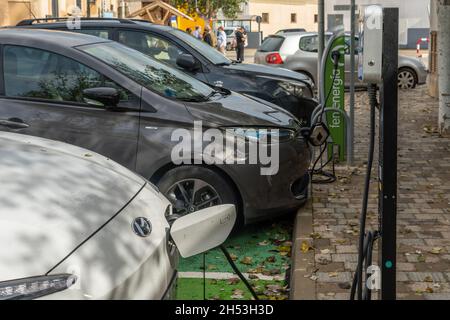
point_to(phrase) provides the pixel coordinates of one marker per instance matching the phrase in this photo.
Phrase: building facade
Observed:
(414, 17)
(282, 14)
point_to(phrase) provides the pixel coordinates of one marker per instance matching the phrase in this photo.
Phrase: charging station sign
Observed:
(335, 90)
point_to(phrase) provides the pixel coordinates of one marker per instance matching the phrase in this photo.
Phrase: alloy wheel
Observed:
(406, 79)
(190, 195)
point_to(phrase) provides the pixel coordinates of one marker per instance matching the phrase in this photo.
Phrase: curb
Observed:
(303, 264)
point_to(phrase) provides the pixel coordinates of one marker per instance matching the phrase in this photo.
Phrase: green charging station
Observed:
(334, 84)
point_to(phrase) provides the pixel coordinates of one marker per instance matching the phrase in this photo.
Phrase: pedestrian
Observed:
(221, 40)
(197, 32)
(241, 39)
(189, 31)
(207, 35)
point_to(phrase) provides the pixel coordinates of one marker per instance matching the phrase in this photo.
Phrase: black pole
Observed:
(388, 155)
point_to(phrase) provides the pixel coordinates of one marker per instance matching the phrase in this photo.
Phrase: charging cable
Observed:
(238, 272)
(366, 240)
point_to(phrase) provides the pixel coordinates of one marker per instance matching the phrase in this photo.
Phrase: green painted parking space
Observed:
(261, 251)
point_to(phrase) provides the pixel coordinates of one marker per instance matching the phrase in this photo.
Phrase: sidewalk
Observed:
(329, 225)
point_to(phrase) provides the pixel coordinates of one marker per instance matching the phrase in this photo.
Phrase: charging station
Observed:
(378, 66)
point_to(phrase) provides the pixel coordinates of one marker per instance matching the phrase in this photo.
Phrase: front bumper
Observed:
(266, 197)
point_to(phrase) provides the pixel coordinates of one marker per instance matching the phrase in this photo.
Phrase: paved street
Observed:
(325, 271)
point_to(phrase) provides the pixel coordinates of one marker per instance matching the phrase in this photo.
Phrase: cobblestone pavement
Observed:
(423, 207)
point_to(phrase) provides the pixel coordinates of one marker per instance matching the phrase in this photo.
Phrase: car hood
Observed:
(240, 110)
(53, 197)
(267, 71)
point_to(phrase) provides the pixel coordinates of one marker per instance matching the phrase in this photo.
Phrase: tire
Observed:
(209, 183)
(407, 78)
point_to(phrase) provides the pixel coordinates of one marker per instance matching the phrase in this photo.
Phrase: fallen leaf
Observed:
(271, 259)
(247, 260)
(263, 243)
(233, 257)
(436, 250)
(305, 247)
(237, 294)
(428, 279)
(233, 281)
(333, 274)
(315, 235)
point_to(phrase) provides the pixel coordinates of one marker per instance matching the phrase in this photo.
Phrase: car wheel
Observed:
(407, 78)
(193, 188)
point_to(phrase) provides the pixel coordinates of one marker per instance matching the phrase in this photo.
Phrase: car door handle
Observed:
(14, 123)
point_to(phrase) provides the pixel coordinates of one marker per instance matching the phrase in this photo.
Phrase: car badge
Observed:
(218, 84)
(142, 227)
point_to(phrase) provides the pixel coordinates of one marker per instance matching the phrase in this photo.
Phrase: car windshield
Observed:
(149, 73)
(203, 48)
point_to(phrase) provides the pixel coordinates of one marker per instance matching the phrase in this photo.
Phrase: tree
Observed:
(208, 9)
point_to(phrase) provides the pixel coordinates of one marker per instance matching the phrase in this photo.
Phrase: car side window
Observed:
(309, 44)
(101, 33)
(348, 45)
(151, 45)
(35, 73)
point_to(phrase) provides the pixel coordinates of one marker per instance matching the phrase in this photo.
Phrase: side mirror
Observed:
(108, 97)
(187, 61)
(203, 230)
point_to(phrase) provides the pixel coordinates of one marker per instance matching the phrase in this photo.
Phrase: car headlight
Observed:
(296, 89)
(35, 287)
(266, 134)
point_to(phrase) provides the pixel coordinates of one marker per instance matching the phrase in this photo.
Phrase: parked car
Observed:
(230, 37)
(76, 225)
(289, 90)
(298, 52)
(116, 101)
(291, 30)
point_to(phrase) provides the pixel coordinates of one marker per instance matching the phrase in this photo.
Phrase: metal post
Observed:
(351, 124)
(444, 65)
(388, 155)
(321, 31)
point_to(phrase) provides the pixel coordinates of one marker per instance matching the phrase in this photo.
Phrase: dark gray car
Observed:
(111, 99)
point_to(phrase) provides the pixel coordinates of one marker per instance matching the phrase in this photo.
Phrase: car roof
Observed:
(61, 38)
(99, 22)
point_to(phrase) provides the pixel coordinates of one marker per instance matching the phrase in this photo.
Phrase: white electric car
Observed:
(76, 225)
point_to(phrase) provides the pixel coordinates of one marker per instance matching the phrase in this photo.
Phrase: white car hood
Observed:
(53, 196)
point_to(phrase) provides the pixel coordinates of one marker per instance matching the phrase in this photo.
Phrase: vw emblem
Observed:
(142, 227)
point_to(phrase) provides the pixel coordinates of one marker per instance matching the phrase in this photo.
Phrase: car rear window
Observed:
(272, 43)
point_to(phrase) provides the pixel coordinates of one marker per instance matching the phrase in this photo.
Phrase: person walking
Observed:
(197, 32)
(241, 39)
(221, 40)
(207, 35)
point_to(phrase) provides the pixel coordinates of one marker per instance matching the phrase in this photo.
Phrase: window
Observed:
(153, 46)
(94, 32)
(35, 73)
(158, 77)
(316, 18)
(293, 18)
(271, 44)
(311, 43)
(348, 45)
(265, 18)
(201, 47)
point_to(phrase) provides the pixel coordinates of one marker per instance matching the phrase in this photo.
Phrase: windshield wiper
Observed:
(221, 64)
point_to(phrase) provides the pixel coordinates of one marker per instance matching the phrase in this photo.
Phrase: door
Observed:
(43, 96)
